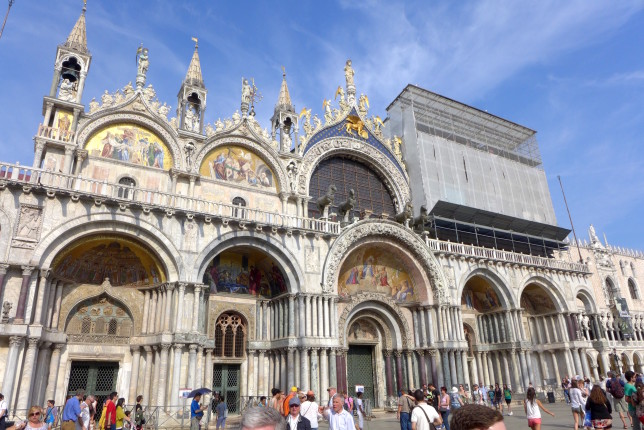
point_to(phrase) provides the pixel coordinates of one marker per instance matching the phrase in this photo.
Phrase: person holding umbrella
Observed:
(196, 412)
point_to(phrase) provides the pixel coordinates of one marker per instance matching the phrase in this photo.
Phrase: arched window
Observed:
(112, 326)
(86, 325)
(97, 317)
(632, 288)
(230, 336)
(126, 185)
(240, 203)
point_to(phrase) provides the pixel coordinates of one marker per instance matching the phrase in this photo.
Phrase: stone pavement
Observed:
(562, 420)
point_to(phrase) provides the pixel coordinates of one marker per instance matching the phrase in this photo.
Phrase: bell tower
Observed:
(284, 118)
(192, 96)
(55, 147)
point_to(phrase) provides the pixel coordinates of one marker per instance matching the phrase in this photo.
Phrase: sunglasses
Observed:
(295, 406)
(34, 414)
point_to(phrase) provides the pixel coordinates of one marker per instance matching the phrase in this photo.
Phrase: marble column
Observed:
(320, 318)
(326, 316)
(208, 373)
(315, 386)
(168, 307)
(430, 325)
(524, 369)
(388, 374)
(153, 312)
(438, 367)
(596, 373)
(486, 369)
(199, 371)
(423, 366)
(291, 367)
(24, 291)
(494, 377)
(52, 379)
(40, 374)
(302, 316)
(3, 272)
(181, 286)
(480, 376)
(569, 362)
(154, 394)
(334, 327)
(528, 359)
(147, 379)
(134, 375)
(158, 311)
(466, 371)
(605, 362)
(192, 366)
(261, 375)
(40, 299)
(518, 385)
(458, 358)
(265, 320)
(146, 311)
(195, 312)
(577, 360)
(506, 369)
(176, 374)
(448, 377)
(309, 316)
(314, 316)
(283, 367)
(163, 373)
(423, 328)
(450, 326)
(410, 370)
(252, 377)
(399, 371)
(543, 365)
(333, 368)
(555, 367)
(27, 373)
(324, 371)
(305, 377)
(291, 316)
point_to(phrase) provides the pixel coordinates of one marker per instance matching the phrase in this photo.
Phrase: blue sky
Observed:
(573, 71)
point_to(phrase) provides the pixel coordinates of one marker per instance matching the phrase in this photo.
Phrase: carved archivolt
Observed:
(267, 154)
(154, 125)
(371, 324)
(393, 232)
(389, 304)
(395, 181)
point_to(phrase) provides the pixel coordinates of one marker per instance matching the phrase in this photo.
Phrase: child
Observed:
(531, 407)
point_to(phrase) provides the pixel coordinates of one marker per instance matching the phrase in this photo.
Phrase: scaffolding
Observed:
(443, 117)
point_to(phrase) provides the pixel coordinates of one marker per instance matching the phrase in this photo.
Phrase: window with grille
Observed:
(86, 325)
(112, 327)
(370, 190)
(99, 319)
(230, 336)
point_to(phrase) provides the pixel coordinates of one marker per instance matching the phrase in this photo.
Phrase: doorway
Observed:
(225, 382)
(95, 377)
(360, 371)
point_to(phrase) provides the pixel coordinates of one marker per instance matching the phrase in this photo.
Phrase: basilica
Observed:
(149, 251)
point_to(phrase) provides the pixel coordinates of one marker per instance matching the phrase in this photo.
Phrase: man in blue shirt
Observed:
(72, 411)
(196, 413)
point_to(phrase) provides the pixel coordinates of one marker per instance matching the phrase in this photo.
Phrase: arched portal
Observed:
(538, 303)
(483, 306)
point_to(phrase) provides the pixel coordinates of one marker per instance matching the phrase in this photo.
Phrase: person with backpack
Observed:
(615, 386)
(423, 415)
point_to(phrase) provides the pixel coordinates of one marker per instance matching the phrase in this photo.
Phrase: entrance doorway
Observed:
(360, 370)
(225, 382)
(95, 377)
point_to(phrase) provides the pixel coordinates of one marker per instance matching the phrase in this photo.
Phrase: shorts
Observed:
(508, 401)
(533, 422)
(619, 405)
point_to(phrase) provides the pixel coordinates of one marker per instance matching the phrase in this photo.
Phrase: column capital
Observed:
(165, 347)
(69, 151)
(398, 353)
(27, 270)
(147, 348)
(170, 286)
(44, 273)
(58, 346)
(16, 340)
(409, 352)
(192, 348)
(252, 351)
(198, 288)
(81, 154)
(135, 348)
(182, 286)
(387, 352)
(33, 342)
(420, 352)
(3, 268)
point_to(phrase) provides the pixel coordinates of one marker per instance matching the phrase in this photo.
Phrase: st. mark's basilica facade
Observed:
(146, 253)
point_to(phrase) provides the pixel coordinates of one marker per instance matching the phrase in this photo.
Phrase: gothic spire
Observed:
(193, 77)
(284, 99)
(77, 39)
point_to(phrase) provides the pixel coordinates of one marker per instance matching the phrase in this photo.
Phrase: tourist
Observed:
(432, 396)
(338, 417)
(533, 407)
(423, 415)
(360, 409)
(295, 420)
(258, 418)
(262, 401)
(310, 410)
(476, 394)
(498, 397)
(222, 413)
(476, 417)
(565, 384)
(51, 415)
(127, 420)
(196, 412)
(91, 403)
(72, 411)
(83, 421)
(443, 406)
(3, 412)
(405, 405)
(484, 394)
(507, 395)
(120, 413)
(33, 420)
(629, 392)
(285, 402)
(577, 403)
(139, 420)
(639, 401)
(455, 400)
(615, 386)
(600, 409)
(465, 397)
(348, 402)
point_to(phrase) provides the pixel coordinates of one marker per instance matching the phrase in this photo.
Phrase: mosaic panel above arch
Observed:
(238, 165)
(130, 143)
(479, 295)
(125, 261)
(535, 300)
(376, 269)
(245, 270)
(99, 320)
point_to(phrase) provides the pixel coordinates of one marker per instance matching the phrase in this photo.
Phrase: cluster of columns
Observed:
(276, 319)
(163, 308)
(501, 327)
(437, 323)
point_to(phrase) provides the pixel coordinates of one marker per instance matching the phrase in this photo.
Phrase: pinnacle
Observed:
(194, 77)
(284, 98)
(77, 39)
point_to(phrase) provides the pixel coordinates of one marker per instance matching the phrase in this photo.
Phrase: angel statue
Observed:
(142, 60)
(348, 74)
(328, 115)
(363, 104)
(245, 91)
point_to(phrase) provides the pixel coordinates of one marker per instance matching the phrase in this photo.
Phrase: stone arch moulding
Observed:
(549, 287)
(124, 296)
(588, 295)
(395, 181)
(287, 261)
(383, 307)
(375, 320)
(109, 223)
(162, 129)
(498, 281)
(267, 154)
(394, 232)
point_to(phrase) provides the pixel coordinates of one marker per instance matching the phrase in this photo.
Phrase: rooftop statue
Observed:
(348, 73)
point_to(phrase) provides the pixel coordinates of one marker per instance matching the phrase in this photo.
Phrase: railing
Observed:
(55, 133)
(504, 256)
(154, 199)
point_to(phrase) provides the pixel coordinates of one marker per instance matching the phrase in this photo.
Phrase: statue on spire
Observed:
(142, 66)
(351, 87)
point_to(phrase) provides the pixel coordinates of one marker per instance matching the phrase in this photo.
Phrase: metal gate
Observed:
(360, 370)
(225, 382)
(95, 377)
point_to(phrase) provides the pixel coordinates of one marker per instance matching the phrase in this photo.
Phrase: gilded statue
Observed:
(354, 123)
(363, 104)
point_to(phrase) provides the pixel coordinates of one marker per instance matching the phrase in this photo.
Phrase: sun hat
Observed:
(454, 390)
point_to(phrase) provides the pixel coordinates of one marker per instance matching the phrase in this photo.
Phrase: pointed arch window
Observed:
(230, 336)
(632, 289)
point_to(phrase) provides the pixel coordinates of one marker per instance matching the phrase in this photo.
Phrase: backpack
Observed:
(616, 389)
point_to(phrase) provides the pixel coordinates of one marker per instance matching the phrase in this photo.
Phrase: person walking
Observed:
(72, 411)
(443, 407)
(476, 395)
(455, 400)
(423, 415)
(33, 419)
(360, 409)
(507, 395)
(433, 395)
(498, 397)
(533, 407)
(120, 413)
(338, 417)
(600, 409)
(465, 396)
(110, 412)
(615, 386)
(139, 420)
(51, 416)
(484, 394)
(577, 403)
(295, 420)
(196, 412)
(285, 403)
(405, 405)
(310, 410)
(83, 420)
(222, 413)
(630, 394)
(565, 385)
